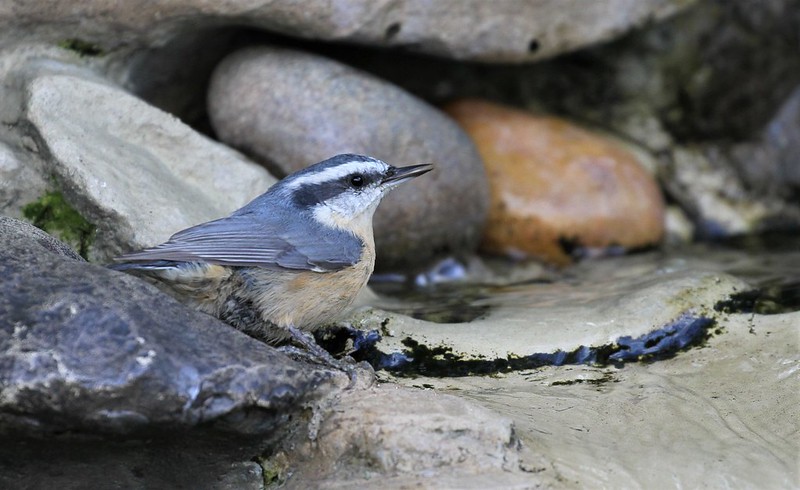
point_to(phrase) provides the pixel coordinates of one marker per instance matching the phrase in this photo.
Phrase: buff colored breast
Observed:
(307, 300)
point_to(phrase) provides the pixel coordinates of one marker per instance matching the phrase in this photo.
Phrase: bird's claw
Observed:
(312, 352)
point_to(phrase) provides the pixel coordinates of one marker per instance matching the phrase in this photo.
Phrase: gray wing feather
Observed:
(249, 240)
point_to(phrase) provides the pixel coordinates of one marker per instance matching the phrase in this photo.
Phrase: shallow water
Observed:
(721, 412)
(770, 265)
(500, 317)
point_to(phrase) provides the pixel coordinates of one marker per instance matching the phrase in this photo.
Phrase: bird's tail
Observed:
(154, 265)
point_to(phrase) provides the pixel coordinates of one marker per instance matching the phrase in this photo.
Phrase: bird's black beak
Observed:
(397, 176)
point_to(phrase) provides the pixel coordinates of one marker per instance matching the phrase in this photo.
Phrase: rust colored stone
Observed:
(554, 183)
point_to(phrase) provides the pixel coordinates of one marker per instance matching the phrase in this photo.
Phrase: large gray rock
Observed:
(294, 109)
(136, 173)
(473, 29)
(97, 366)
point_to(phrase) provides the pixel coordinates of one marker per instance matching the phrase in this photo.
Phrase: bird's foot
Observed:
(312, 352)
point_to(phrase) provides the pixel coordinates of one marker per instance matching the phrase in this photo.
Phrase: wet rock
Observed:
(728, 405)
(293, 109)
(397, 437)
(505, 31)
(621, 308)
(726, 409)
(557, 187)
(133, 171)
(101, 374)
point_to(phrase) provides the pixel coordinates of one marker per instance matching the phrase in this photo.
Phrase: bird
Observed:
(286, 263)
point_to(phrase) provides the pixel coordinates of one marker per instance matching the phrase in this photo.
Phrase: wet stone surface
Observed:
(100, 373)
(665, 342)
(612, 311)
(666, 421)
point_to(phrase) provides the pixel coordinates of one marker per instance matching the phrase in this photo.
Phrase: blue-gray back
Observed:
(262, 234)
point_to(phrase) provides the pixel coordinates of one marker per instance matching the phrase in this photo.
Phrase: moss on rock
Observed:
(54, 215)
(83, 48)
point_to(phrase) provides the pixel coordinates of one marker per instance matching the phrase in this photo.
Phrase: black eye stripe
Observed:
(308, 195)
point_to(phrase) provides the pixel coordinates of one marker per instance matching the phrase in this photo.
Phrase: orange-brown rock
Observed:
(556, 185)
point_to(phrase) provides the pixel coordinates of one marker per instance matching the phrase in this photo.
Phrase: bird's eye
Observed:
(357, 181)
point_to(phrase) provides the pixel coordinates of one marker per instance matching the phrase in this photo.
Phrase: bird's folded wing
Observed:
(249, 241)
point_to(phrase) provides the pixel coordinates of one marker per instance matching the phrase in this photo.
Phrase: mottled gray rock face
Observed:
(472, 29)
(101, 355)
(261, 101)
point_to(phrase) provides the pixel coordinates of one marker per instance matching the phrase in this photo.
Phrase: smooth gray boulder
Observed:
(292, 109)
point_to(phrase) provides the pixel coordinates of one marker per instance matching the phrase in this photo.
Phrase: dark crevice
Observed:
(392, 31)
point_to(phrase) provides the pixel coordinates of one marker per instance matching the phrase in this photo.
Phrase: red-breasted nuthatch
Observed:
(287, 262)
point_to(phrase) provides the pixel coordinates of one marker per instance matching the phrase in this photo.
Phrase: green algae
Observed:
(54, 215)
(275, 469)
(83, 48)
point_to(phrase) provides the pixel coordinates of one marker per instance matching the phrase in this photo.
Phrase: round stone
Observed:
(557, 187)
(290, 109)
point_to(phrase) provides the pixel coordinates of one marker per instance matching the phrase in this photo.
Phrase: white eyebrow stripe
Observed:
(333, 173)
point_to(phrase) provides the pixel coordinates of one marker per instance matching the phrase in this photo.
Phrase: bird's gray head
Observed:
(346, 189)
